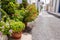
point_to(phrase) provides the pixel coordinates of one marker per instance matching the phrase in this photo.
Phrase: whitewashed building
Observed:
(54, 6)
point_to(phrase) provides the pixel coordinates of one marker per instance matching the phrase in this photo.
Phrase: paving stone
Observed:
(26, 36)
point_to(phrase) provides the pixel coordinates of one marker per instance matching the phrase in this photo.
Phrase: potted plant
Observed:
(26, 13)
(8, 27)
(31, 15)
(17, 28)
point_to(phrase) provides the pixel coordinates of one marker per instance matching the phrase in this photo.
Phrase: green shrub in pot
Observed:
(31, 15)
(27, 14)
(17, 28)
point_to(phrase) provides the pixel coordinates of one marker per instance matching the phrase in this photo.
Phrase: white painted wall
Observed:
(19, 1)
(45, 1)
(57, 6)
(29, 1)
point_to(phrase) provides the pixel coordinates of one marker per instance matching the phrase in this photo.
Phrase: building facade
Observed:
(54, 6)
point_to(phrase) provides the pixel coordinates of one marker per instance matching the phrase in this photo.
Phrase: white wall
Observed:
(29, 1)
(45, 1)
(19, 1)
(57, 6)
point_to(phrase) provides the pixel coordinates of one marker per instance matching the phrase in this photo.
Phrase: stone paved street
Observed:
(26, 36)
(46, 27)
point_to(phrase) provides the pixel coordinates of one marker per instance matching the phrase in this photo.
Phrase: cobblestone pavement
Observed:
(46, 27)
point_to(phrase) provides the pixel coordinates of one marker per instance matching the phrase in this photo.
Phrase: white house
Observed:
(54, 6)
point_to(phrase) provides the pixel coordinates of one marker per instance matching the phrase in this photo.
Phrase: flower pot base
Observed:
(13, 39)
(10, 38)
(16, 35)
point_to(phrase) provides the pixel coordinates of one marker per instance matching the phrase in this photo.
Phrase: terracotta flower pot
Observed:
(16, 35)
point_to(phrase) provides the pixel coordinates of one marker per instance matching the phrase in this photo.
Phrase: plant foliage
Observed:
(19, 13)
(17, 26)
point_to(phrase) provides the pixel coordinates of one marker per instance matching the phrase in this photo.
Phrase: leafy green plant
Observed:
(31, 13)
(18, 15)
(12, 7)
(4, 28)
(11, 26)
(17, 26)
(4, 15)
(9, 6)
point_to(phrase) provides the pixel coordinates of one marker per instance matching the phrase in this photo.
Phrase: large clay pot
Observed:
(16, 35)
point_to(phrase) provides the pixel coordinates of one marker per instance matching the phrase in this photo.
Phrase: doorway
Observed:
(59, 7)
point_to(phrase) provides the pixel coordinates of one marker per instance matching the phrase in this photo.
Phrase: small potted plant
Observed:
(17, 28)
(31, 14)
